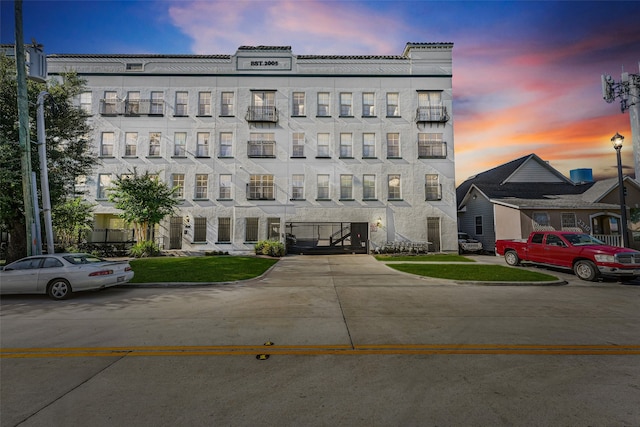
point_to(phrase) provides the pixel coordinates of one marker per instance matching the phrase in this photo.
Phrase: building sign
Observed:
(262, 63)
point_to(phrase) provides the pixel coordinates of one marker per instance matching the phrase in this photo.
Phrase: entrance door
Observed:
(175, 232)
(433, 234)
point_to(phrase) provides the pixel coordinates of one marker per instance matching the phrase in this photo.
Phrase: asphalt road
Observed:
(322, 340)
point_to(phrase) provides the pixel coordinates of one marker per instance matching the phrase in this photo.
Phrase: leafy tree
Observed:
(68, 147)
(144, 201)
(71, 219)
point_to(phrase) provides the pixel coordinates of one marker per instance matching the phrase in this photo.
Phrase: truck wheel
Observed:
(511, 258)
(586, 270)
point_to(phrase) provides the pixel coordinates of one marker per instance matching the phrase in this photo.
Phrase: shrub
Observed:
(144, 249)
(270, 248)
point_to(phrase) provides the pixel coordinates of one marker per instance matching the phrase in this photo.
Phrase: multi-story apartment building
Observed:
(331, 153)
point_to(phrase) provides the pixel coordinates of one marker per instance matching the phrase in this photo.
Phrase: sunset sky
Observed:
(526, 73)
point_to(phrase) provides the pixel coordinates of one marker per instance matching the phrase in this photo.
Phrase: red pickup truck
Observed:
(587, 256)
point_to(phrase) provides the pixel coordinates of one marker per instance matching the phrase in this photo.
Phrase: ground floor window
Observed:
(224, 230)
(200, 229)
(479, 230)
(251, 230)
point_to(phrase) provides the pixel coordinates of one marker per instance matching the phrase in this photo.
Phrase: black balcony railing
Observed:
(433, 192)
(437, 114)
(432, 150)
(267, 114)
(261, 149)
(138, 107)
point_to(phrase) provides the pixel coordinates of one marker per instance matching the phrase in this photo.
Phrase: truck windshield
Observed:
(582, 239)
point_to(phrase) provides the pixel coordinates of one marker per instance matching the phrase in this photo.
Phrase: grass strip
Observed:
(425, 258)
(481, 273)
(198, 269)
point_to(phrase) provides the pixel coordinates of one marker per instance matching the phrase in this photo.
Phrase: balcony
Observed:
(433, 192)
(110, 107)
(262, 114)
(137, 107)
(433, 114)
(432, 150)
(261, 149)
(260, 192)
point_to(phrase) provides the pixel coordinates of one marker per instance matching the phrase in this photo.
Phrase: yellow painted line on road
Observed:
(322, 350)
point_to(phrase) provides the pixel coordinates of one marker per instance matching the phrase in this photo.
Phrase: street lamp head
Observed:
(617, 141)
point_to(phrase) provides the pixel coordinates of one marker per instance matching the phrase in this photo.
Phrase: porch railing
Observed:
(609, 239)
(110, 235)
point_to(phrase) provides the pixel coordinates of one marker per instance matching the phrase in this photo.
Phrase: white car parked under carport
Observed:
(58, 275)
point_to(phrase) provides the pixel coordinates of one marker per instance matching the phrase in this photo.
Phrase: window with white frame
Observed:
(199, 229)
(182, 99)
(131, 144)
(393, 104)
(224, 187)
(262, 144)
(177, 182)
(261, 187)
(541, 221)
(569, 221)
(368, 104)
(227, 101)
(110, 105)
(154, 144)
(393, 145)
(86, 102)
(369, 145)
(157, 103)
(226, 144)
(224, 230)
(323, 144)
(323, 187)
(369, 187)
(346, 104)
(430, 106)
(346, 187)
(132, 104)
(323, 104)
(432, 189)
(297, 187)
(394, 192)
(202, 184)
(298, 104)
(346, 145)
(251, 229)
(431, 145)
(104, 182)
(180, 144)
(202, 144)
(106, 144)
(297, 144)
(204, 103)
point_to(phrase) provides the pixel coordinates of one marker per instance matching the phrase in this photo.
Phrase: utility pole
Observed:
(25, 138)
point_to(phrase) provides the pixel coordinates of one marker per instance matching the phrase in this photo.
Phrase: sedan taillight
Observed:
(101, 273)
(128, 268)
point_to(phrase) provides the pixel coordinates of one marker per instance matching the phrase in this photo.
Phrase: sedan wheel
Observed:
(59, 289)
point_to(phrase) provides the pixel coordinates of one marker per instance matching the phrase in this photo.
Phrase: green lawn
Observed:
(199, 269)
(421, 258)
(482, 273)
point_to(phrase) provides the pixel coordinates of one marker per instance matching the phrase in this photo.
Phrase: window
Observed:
(131, 144)
(177, 182)
(393, 105)
(297, 187)
(204, 103)
(369, 187)
(554, 240)
(569, 221)
(323, 104)
(199, 229)
(104, 181)
(368, 104)
(262, 145)
(261, 187)
(226, 144)
(394, 187)
(263, 107)
(110, 105)
(181, 103)
(132, 106)
(323, 145)
(273, 228)
(180, 144)
(202, 147)
(224, 230)
(106, 144)
(368, 145)
(430, 145)
(430, 107)
(226, 104)
(298, 104)
(479, 231)
(393, 145)
(202, 182)
(323, 187)
(154, 144)
(432, 187)
(157, 103)
(537, 238)
(85, 102)
(541, 221)
(346, 145)
(346, 187)
(224, 187)
(297, 141)
(251, 229)
(346, 104)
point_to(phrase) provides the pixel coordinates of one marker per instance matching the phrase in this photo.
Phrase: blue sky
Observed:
(526, 73)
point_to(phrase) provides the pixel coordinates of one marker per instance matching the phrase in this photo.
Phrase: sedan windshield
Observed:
(582, 239)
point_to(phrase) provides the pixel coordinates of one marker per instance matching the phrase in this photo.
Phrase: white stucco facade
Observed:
(268, 139)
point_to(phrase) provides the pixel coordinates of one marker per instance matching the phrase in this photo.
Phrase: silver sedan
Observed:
(58, 275)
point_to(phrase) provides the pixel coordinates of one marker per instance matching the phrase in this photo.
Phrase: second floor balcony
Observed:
(265, 114)
(137, 107)
(432, 114)
(432, 150)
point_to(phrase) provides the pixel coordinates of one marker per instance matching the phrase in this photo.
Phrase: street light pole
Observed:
(617, 145)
